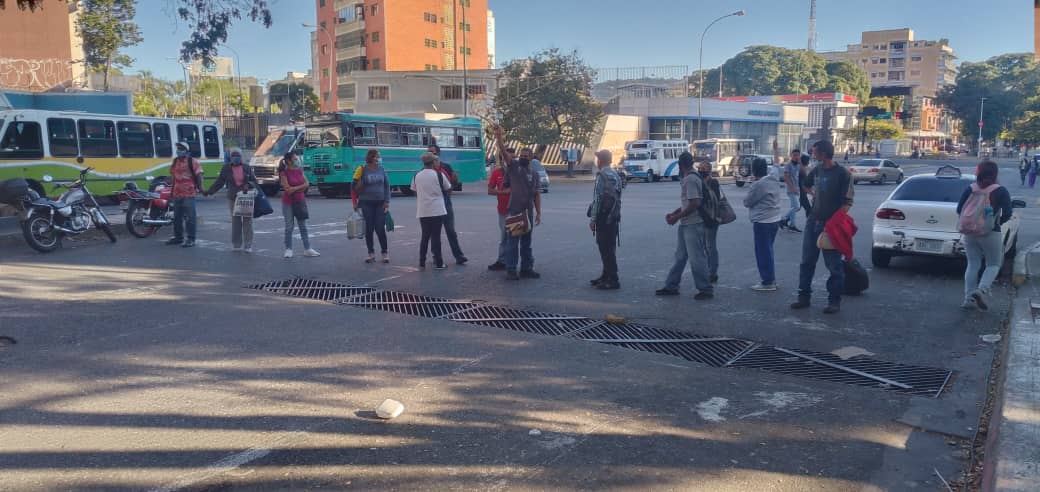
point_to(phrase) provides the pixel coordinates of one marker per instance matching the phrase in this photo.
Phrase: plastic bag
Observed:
(356, 226)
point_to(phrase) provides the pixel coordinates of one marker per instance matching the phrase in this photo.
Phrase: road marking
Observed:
(710, 410)
(225, 465)
(384, 279)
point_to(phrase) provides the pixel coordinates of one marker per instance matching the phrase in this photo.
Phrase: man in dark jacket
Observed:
(831, 187)
(237, 177)
(605, 217)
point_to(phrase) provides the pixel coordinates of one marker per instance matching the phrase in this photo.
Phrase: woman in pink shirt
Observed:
(294, 203)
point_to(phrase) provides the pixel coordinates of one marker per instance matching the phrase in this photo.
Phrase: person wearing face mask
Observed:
(524, 186)
(711, 231)
(371, 191)
(237, 177)
(187, 184)
(449, 220)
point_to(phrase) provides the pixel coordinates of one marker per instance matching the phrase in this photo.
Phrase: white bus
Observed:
(652, 160)
(722, 153)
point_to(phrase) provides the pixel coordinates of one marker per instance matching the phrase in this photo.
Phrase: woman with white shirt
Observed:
(429, 187)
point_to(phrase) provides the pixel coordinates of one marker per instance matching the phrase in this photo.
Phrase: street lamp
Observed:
(332, 56)
(982, 106)
(700, 68)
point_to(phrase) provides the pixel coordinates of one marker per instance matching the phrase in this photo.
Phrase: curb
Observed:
(1021, 269)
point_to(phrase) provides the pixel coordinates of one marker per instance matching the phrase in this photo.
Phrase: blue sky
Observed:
(620, 33)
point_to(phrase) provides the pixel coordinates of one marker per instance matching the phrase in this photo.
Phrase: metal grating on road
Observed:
(714, 351)
(311, 289)
(859, 371)
(526, 321)
(404, 303)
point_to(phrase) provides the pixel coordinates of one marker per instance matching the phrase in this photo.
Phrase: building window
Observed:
(427, 67)
(375, 9)
(321, 3)
(464, 3)
(325, 96)
(434, 67)
(379, 92)
(896, 75)
(883, 61)
(349, 14)
(915, 59)
(915, 73)
(464, 26)
(430, 17)
(466, 51)
(375, 36)
(874, 60)
(325, 73)
(323, 25)
(375, 64)
(324, 49)
(897, 62)
(346, 91)
(454, 92)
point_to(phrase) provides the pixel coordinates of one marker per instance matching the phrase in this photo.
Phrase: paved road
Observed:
(141, 366)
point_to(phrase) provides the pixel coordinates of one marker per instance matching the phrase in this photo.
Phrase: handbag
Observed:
(726, 212)
(856, 278)
(245, 204)
(261, 205)
(519, 224)
(356, 226)
(389, 222)
(300, 211)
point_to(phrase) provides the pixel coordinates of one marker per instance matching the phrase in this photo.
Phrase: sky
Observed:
(626, 33)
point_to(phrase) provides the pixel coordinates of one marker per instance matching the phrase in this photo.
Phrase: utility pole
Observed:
(982, 107)
(812, 25)
(465, 71)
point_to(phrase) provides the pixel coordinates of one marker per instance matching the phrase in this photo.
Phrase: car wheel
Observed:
(900, 179)
(740, 184)
(880, 258)
(883, 180)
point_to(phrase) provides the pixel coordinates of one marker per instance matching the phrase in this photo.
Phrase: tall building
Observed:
(29, 64)
(395, 35)
(491, 39)
(898, 64)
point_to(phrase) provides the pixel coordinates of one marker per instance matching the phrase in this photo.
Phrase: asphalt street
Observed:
(142, 366)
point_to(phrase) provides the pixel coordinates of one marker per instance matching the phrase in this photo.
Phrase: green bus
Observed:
(333, 149)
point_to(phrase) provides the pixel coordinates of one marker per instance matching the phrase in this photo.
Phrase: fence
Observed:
(246, 131)
(651, 82)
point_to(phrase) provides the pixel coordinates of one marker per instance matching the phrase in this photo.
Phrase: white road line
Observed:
(384, 279)
(225, 465)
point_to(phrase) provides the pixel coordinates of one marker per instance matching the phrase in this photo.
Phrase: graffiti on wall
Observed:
(34, 75)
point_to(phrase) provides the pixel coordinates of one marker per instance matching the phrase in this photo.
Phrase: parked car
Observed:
(919, 217)
(542, 175)
(742, 172)
(878, 171)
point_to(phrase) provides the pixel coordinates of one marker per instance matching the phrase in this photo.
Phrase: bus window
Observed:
(97, 138)
(163, 145)
(62, 135)
(470, 138)
(445, 137)
(412, 136)
(211, 140)
(22, 140)
(388, 134)
(190, 135)
(330, 137)
(135, 139)
(364, 134)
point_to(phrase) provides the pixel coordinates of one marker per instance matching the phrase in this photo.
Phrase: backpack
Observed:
(856, 278)
(709, 209)
(977, 217)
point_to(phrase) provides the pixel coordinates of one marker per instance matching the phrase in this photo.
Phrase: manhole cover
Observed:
(311, 289)
(526, 321)
(714, 351)
(404, 303)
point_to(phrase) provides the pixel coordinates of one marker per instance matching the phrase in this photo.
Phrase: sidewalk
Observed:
(1013, 454)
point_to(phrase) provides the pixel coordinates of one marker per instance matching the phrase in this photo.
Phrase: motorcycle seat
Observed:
(51, 203)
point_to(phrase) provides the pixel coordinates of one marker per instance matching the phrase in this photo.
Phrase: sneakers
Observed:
(596, 281)
(703, 296)
(713, 279)
(248, 250)
(497, 266)
(979, 296)
(968, 304)
(461, 260)
(511, 275)
(311, 253)
(439, 266)
(174, 241)
(236, 249)
(665, 291)
(608, 285)
(761, 287)
(371, 258)
(794, 229)
(188, 244)
(801, 303)
(288, 254)
(832, 309)
(386, 257)
(530, 274)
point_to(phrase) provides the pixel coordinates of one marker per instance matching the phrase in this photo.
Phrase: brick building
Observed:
(26, 63)
(394, 35)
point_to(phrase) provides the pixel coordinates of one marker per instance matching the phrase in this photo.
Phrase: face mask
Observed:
(525, 162)
(236, 160)
(704, 174)
(182, 153)
(379, 160)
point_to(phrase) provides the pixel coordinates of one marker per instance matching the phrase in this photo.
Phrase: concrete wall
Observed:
(420, 92)
(618, 130)
(27, 63)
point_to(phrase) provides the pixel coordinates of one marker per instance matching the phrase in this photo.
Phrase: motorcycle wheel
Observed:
(134, 216)
(44, 242)
(108, 232)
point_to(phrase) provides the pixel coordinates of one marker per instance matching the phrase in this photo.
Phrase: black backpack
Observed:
(709, 209)
(856, 278)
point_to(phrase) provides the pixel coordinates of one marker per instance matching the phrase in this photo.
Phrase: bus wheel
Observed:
(650, 176)
(655, 177)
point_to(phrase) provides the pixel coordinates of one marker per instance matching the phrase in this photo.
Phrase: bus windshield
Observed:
(277, 142)
(704, 149)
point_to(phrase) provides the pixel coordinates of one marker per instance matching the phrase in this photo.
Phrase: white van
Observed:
(652, 160)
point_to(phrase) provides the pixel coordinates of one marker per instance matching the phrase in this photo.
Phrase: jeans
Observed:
(519, 251)
(290, 221)
(792, 213)
(241, 228)
(765, 235)
(690, 248)
(990, 247)
(184, 215)
(606, 240)
(449, 229)
(810, 256)
(503, 241)
(431, 231)
(375, 223)
(711, 249)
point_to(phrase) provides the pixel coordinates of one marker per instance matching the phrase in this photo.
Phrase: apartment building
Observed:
(394, 35)
(30, 65)
(898, 64)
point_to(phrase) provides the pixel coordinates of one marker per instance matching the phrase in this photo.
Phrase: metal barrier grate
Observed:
(859, 371)
(311, 289)
(526, 321)
(403, 303)
(714, 351)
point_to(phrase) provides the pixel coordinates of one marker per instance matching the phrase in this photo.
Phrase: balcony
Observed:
(349, 27)
(352, 52)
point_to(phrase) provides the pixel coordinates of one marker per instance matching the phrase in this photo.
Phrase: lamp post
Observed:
(700, 68)
(332, 56)
(982, 106)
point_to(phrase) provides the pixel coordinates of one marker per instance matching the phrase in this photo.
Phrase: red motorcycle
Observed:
(147, 211)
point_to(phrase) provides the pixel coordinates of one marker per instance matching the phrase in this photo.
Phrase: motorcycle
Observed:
(45, 222)
(147, 211)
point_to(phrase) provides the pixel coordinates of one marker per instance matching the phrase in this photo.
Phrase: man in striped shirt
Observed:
(604, 219)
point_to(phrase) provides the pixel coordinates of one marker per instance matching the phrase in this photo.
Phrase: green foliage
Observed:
(771, 70)
(300, 99)
(883, 130)
(159, 97)
(1011, 85)
(547, 99)
(1026, 129)
(107, 26)
(847, 78)
(218, 96)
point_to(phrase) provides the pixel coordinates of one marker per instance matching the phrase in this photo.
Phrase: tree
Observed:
(209, 19)
(158, 97)
(107, 26)
(300, 99)
(883, 130)
(847, 78)
(547, 99)
(1010, 83)
(1026, 129)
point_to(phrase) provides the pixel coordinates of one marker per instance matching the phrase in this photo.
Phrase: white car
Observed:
(920, 218)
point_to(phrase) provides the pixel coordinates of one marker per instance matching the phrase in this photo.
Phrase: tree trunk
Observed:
(108, 68)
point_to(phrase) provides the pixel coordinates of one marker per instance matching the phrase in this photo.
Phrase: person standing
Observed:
(294, 204)
(429, 186)
(1033, 169)
(496, 188)
(372, 189)
(238, 177)
(605, 219)
(831, 187)
(186, 174)
(763, 204)
(524, 200)
(711, 231)
(1023, 167)
(690, 246)
(449, 219)
(988, 246)
(792, 177)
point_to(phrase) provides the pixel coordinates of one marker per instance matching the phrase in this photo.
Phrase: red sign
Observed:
(980, 123)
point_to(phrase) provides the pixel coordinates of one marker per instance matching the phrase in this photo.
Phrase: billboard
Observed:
(222, 67)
